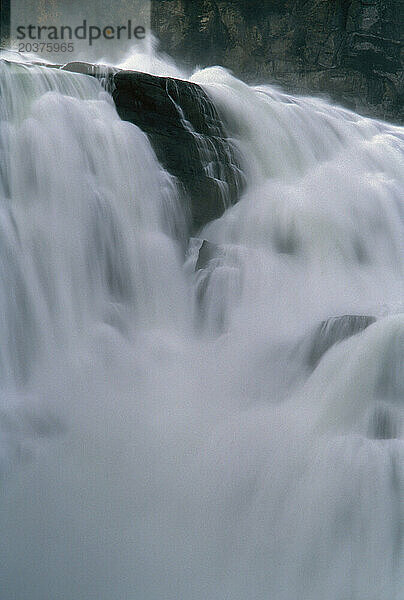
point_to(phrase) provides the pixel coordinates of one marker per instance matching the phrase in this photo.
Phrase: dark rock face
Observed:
(351, 50)
(188, 138)
(186, 133)
(332, 331)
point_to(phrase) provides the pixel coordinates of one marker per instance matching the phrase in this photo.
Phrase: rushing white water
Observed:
(162, 432)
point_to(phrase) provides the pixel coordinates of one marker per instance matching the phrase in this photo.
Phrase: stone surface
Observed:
(350, 50)
(186, 133)
(188, 138)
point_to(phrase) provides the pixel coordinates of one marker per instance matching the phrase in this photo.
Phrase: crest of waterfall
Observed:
(82, 194)
(227, 425)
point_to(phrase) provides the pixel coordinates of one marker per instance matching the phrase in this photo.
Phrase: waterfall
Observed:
(220, 423)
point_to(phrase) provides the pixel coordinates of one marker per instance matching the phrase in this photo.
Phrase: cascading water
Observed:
(199, 429)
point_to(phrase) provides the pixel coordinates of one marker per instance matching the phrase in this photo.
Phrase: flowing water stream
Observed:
(172, 427)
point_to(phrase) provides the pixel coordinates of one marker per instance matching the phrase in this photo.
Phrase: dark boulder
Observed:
(186, 133)
(188, 137)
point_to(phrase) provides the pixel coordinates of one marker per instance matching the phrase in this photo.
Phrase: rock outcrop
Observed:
(186, 133)
(351, 50)
(188, 138)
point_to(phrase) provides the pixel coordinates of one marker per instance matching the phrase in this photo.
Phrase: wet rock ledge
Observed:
(186, 133)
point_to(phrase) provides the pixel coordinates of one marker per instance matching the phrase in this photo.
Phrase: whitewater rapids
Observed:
(162, 435)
